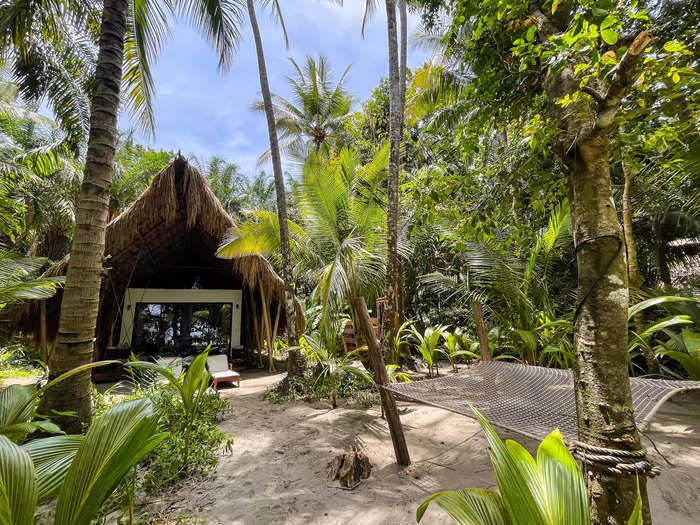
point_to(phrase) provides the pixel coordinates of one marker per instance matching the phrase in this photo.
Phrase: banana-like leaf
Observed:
(52, 457)
(18, 488)
(113, 445)
(469, 507)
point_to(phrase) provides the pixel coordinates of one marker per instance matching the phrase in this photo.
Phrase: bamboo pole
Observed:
(256, 328)
(478, 313)
(381, 379)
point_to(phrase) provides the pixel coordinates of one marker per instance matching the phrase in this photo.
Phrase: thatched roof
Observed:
(178, 205)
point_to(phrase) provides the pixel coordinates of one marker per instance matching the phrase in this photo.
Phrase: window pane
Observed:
(181, 328)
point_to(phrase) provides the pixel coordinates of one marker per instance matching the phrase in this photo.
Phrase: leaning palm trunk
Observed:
(81, 296)
(392, 309)
(289, 307)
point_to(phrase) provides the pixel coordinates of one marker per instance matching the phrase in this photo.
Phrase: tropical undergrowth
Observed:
(18, 360)
(178, 456)
(310, 388)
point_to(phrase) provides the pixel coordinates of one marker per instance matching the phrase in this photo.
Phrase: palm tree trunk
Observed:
(403, 53)
(81, 296)
(391, 319)
(289, 306)
(634, 279)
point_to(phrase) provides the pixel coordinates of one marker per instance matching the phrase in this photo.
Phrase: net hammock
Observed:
(530, 400)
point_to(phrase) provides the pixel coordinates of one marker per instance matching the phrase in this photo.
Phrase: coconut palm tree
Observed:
(317, 112)
(286, 265)
(225, 180)
(393, 311)
(130, 37)
(338, 245)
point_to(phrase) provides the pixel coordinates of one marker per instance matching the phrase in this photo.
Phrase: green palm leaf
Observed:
(52, 457)
(113, 445)
(469, 507)
(18, 488)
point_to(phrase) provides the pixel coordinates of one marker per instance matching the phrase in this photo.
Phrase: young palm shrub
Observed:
(190, 388)
(329, 364)
(547, 491)
(457, 344)
(395, 375)
(18, 404)
(338, 244)
(82, 470)
(428, 344)
(682, 347)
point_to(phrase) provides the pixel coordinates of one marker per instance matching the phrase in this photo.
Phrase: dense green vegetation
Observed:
(544, 167)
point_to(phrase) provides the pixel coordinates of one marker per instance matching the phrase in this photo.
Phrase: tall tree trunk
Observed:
(81, 296)
(633, 277)
(603, 394)
(391, 319)
(289, 306)
(601, 381)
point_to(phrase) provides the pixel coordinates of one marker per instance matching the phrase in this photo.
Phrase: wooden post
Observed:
(42, 341)
(268, 329)
(478, 313)
(381, 379)
(277, 320)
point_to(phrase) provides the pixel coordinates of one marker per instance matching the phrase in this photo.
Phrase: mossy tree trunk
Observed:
(603, 395)
(81, 295)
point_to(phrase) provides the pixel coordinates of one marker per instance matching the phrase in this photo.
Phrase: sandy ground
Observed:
(277, 471)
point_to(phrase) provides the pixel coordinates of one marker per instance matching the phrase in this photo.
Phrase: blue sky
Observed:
(202, 112)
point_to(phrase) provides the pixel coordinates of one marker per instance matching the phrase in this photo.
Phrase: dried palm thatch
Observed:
(177, 214)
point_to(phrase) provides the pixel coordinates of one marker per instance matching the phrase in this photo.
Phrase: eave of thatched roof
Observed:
(178, 200)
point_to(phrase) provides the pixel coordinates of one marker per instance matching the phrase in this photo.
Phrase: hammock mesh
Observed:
(530, 400)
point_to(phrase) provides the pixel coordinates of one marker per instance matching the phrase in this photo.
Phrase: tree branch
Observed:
(600, 99)
(624, 77)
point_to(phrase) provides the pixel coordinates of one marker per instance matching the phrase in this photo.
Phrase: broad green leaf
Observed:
(16, 411)
(52, 457)
(530, 35)
(512, 483)
(469, 507)
(609, 36)
(637, 517)
(648, 303)
(113, 445)
(18, 489)
(564, 486)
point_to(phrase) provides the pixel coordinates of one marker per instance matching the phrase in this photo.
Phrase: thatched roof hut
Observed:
(163, 246)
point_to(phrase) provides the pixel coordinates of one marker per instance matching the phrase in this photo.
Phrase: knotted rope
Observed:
(615, 461)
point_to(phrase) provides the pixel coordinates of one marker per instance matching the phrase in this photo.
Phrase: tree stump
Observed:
(349, 469)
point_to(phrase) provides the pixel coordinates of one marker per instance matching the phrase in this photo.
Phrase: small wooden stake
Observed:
(381, 379)
(481, 331)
